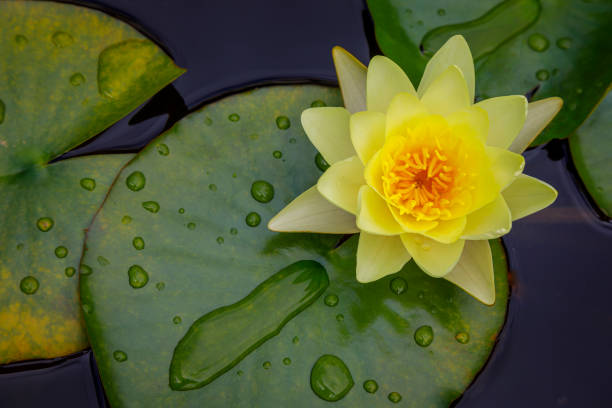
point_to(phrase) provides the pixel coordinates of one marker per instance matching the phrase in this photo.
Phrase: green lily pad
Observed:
(558, 47)
(591, 148)
(67, 73)
(204, 262)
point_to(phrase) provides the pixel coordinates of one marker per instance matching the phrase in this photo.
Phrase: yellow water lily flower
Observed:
(421, 174)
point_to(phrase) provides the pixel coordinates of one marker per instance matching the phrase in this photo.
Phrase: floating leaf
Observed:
(591, 148)
(57, 59)
(269, 356)
(521, 46)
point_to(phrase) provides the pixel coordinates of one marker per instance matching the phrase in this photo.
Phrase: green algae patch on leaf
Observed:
(369, 327)
(45, 212)
(591, 148)
(67, 74)
(552, 48)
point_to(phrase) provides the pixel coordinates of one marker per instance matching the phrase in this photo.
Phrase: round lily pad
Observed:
(232, 314)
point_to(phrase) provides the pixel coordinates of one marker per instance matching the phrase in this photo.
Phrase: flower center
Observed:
(423, 172)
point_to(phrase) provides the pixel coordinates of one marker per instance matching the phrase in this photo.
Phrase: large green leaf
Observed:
(66, 73)
(194, 263)
(591, 148)
(559, 46)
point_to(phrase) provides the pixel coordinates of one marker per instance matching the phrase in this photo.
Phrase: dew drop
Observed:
(233, 231)
(191, 226)
(151, 206)
(252, 219)
(542, 75)
(138, 277)
(286, 361)
(262, 191)
(423, 336)
(70, 271)
(220, 240)
(21, 40)
(240, 372)
(293, 140)
(135, 181)
(61, 39)
(85, 269)
(462, 337)
(212, 187)
(283, 122)
(208, 121)
(126, 219)
(177, 320)
(2, 111)
(295, 340)
(394, 397)
(330, 378)
(266, 365)
(564, 43)
(138, 243)
(77, 79)
(398, 285)
(370, 386)
(321, 163)
(61, 251)
(340, 317)
(160, 286)
(318, 104)
(29, 285)
(163, 149)
(45, 224)
(234, 117)
(19, 246)
(181, 211)
(538, 42)
(88, 184)
(331, 300)
(277, 154)
(120, 356)
(441, 12)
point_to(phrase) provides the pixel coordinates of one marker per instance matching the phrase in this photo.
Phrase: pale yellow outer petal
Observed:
(474, 271)
(434, 258)
(328, 130)
(373, 173)
(379, 256)
(341, 182)
(539, 115)
(352, 76)
(491, 221)
(447, 231)
(367, 133)
(506, 118)
(454, 52)
(506, 165)
(403, 109)
(474, 117)
(448, 93)
(311, 212)
(374, 215)
(385, 80)
(528, 195)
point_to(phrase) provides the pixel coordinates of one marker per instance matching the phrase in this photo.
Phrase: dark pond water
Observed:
(555, 348)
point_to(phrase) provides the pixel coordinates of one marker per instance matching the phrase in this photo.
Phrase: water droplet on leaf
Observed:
(283, 122)
(538, 42)
(85, 269)
(331, 300)
(370, 386)
(462, 337)
(266, 365)
(394, 397)
(138, 243)
(45, 224)
(542, 75)
(138, 277)
(29, 285)
(564, 43)
(321, 163)
(295, 340)
(441, 12)
(253, 219)
(262, 191)
(318, 104)
(61, 251)
(77, 79)
(120, 356)
(61, 39)
(340, 317)
(191, 225)
(70, 271)
(234, 117)
(135, 181)
(21, 40)
(163, 149)
(220, 240)
(126, 219)
(160, 286)
(151, 206)
(423, 336)
(330, 378)
(177, 320)
(233, 231)
(212, 187)
(88, 184)
(286, 361)
(277, 154)
(398, 285)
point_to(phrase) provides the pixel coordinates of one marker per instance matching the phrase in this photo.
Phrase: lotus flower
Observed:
(421, 174)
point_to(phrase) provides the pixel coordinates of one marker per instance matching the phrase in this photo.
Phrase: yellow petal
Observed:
(491, 221)
(373, 173)
(385, 80)
(379, 256)
(367, 133)
(374, 215)
(328, 130)
(454, 52)
(404, 108)
(474, 272)
(311, 212)
(434, 258)
(506, 165)
(528, 195)
(475, 118)
(352, 76)
(341, 182)
(448, 93)
(506, 118)
(447, 231)
(539, 115)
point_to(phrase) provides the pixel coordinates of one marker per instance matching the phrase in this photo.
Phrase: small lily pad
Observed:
(287, 344)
